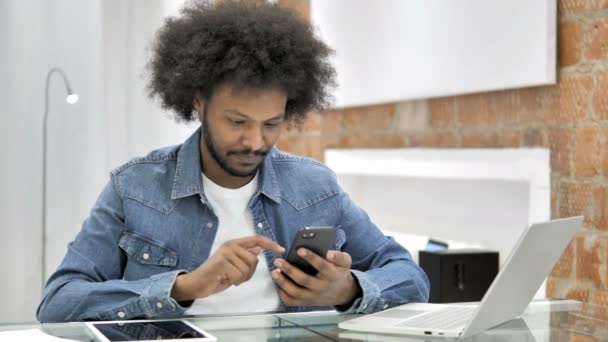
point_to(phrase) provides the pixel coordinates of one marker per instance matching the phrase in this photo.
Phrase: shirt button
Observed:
(260, 225)
(121, 314)
(209, 225)
(159, 305)
(146, 256)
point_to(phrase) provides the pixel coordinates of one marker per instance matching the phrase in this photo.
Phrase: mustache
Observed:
(249, 152)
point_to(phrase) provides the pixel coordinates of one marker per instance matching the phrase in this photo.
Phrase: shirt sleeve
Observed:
(384, 269)
(88, 284)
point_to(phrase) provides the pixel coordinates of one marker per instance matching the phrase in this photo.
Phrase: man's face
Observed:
(240, 127)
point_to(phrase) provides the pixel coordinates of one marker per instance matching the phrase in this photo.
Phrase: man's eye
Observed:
(237, 122)
(271, 124)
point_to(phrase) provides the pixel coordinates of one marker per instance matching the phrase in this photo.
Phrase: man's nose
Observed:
(254, 138)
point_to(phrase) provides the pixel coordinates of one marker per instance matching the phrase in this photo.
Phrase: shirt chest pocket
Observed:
(145, 257)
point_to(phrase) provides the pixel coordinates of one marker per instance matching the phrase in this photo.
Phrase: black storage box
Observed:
(459, 275)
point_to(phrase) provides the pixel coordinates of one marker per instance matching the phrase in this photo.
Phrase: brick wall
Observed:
(570, 118)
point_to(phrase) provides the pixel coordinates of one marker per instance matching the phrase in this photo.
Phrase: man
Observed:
(200, 227)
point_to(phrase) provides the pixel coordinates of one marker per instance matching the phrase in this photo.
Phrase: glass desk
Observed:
(542, 321)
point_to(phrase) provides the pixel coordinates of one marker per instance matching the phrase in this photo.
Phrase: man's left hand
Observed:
(333, 285)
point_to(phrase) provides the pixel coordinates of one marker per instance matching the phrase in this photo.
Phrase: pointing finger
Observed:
(260, 241)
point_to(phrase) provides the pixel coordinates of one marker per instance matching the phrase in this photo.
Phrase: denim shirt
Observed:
(152, 222)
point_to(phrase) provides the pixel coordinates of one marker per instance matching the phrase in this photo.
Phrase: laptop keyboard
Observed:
(444, 319)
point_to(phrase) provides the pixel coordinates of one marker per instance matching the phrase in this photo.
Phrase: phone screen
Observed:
(138, 331)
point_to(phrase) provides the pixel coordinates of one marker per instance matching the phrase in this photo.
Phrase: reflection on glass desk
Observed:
(542, 321)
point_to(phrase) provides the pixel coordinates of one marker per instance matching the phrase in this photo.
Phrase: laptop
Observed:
(537, 250)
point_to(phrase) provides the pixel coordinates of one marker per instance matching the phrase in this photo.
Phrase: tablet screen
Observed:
(137, 331)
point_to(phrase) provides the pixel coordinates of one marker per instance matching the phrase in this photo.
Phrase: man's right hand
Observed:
(232, 264)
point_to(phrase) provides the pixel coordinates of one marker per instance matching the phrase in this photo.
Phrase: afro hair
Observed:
(244, 43)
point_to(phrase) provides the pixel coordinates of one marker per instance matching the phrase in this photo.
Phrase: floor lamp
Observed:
(71, 98)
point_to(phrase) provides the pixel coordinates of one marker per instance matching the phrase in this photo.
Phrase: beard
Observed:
(222, 160)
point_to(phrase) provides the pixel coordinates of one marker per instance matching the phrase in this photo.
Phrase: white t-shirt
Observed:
(258, 294)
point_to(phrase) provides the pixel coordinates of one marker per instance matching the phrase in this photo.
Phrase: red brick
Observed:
(560, 334)
(442, 112)
(577, 6)
(442, 105)
(601, 312)
(283, 143)
(516, 107)
(474, 111)
(588, 261)
(301, 7)
(550, 291)
(567, 102)
(370, 140)
(573, 6)
(371, 117)
(599, 308)
(555, 191)
(600, 100)
(605, 151)
(434, 140)
(579, 294)
(312, 122)
(575, 199)
(507, 107)
(600, 297)
(312, 146)
(563, 267)
(561, 143)
(318, 147)
(331, 121)
(587, 151)
(534, 137)
(290, 128)
(596, 37)
(411, 116)
(508, 139)
(570, 41)
(330, 142)
(478, 140)
(295, 144)
(601, 4)
(578, 337)
(528, 98)
(600, 207)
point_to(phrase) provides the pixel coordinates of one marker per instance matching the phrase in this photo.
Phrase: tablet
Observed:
(145, 330)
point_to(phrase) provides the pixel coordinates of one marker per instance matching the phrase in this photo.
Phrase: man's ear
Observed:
(199, 105)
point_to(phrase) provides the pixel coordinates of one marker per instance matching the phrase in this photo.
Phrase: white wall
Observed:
(100, 45)
(23, 64)
(76, 161)
(144, 20)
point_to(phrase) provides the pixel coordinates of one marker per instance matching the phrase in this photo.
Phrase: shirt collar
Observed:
(187, 180)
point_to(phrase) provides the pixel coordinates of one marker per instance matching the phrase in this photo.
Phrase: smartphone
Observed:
(316, 239)
(146, 330)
